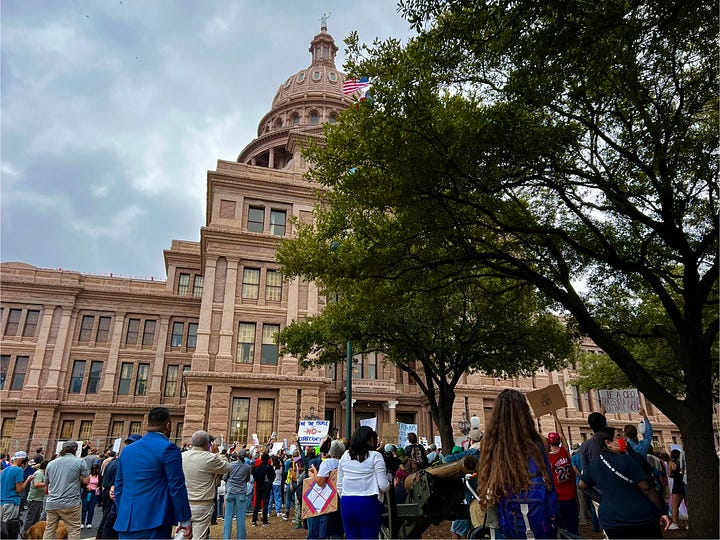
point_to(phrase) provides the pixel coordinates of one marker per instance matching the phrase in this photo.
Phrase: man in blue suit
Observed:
(150, 492)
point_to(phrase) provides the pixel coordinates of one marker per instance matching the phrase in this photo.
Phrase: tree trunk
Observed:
(442, 416)
(702, 475)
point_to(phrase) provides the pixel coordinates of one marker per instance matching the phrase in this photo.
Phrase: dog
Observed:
(37, 531)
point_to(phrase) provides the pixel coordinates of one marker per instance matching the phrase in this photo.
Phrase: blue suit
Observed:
(150, 490)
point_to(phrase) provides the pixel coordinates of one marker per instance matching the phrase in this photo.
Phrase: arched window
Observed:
(333, 118)
(295, 120)
(316, 75)
(314, 117)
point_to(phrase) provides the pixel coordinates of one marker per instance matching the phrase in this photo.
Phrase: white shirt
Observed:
(362, 478)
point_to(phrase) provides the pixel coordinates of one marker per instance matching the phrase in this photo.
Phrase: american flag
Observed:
(350, 86)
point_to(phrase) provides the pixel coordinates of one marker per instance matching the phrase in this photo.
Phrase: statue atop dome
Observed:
(323, 20)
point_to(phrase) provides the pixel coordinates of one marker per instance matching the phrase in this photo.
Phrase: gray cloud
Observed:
(112, 113)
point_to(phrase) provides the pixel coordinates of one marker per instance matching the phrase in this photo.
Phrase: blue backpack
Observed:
(536, 507)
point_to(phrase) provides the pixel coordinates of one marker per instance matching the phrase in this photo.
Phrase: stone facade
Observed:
(85, 356)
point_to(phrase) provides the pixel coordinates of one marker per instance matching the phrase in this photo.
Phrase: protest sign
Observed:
(546, 400)
(403, 430)
(370, 422)
(276, 447)
(312, 432)
(624, 400)
(116, 445)
(389, 433)
(319, 500)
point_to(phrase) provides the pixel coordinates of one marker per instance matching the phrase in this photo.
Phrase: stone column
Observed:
(223, 360)
(52, 390)
(32, 386)
(201, 356)
(220, 411)
(392, 407)
(155, 388)
(42, 434)
(107, 391)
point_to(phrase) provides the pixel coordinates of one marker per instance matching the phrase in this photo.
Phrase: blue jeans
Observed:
(89, 502)
(276, 498)
(289, 498)
(235, 505)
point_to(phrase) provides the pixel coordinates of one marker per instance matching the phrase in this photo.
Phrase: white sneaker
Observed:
(673, 527)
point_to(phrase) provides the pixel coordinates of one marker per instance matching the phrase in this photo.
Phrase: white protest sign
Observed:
(312, 432)
(116, 444)
(620, 401)
(255, 439)
(370, 422)
(438, 441)
(276, 447)
(403, 430)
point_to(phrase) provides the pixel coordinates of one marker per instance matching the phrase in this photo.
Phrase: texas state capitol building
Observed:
(86, 356)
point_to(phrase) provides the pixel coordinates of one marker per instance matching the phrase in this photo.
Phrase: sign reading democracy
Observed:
(312, 432)
(624, 400)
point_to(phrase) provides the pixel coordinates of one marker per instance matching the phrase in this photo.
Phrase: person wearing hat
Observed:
(36, 495)
(65, 475)
(563, 478)
(236, 497)
(12, 485)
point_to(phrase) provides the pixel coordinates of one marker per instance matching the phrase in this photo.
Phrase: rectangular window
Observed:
(135, 428)
(251, 283)
(86, 328)
(117, 429)
(18, 378)
(66, 431)
(4, 366)
(149, 332)
(198, 286)
(277, 222)
(133, 330)
(13, 322)
(142, 379)
(256, 219)
(371, 366)
(126, 371)
(183, 387)
(177, 334)
(6, 432)
(265, 418)
(103, 331)
(171, 377)
(184, 284)
(269, 352)
(93, 384)
(85, 429)
(239, 418)
(78, 373)
(192, 335)
(31, 322)
(246, 343)
(273, 286)
(178, 433)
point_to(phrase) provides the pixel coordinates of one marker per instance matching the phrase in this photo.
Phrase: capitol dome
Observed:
(302, 103)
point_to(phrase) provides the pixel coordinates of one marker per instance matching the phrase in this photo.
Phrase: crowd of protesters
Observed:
(152, 489)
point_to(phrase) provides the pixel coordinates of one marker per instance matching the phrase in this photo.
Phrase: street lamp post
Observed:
(348, 392)
(464, 424)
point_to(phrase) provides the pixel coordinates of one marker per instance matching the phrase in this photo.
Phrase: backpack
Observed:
(536, 507)
(416, 459)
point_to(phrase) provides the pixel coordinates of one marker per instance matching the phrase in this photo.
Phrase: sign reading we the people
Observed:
(624, 400)
(312, 432)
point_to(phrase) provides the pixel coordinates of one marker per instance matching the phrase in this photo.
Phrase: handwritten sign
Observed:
(312, 432)
(403, 430)
(389, 433)
(319, 500)
(546, 400)
(616, 401)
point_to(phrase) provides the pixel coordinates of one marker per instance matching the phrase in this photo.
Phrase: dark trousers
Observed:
(262, 498)
(34, 513)
(569, 516)
(108, 526)
(164, 532)
(648, 530)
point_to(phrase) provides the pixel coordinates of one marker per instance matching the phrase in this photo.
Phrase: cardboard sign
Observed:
(389, 433)
(312, 432)
(615, 401)
(546, 400)
(319, 500)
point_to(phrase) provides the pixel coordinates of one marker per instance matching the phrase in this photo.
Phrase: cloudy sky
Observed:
(113, 111)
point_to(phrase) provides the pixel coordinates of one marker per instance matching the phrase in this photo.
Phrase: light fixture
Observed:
(312, 415)
(464, 424)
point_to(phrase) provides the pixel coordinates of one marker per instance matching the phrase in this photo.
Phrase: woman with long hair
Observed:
(514, 463)
(362, 483)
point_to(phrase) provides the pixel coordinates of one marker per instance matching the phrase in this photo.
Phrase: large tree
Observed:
(497, 326)
(572, 145)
